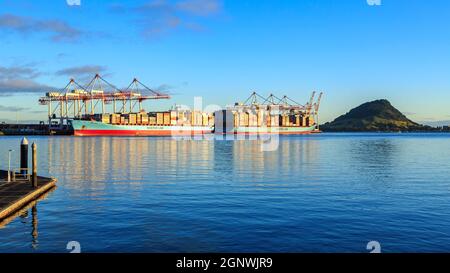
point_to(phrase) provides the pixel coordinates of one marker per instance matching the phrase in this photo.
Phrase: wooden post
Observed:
(34, 165)
(24, 156)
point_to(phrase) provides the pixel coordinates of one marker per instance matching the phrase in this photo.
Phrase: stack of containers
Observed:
(124, 119)
(115, 119)
(252, 119)
(304, 121)
(173, 118)
(205, 119)
(166, 119)
(261, 118)
(292, 120)
(236, 119)
(181, 119)
(159, 118)
(188, 118)
(106, 119)
(211, 120)
(310, 120)
(152, 119)
(144, 119)
(132, 119)
(243, 119)
(275, 120)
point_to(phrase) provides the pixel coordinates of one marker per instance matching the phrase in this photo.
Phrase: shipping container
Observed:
(152, 121)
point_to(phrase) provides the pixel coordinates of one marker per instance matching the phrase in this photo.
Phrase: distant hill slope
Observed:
(373, 116)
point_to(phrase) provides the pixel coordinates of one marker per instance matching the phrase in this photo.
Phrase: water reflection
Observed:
(96, 162)
(24, 213)
(34, 227)
(211, 195)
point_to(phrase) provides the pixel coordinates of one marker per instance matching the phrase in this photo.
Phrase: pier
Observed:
(20, 187)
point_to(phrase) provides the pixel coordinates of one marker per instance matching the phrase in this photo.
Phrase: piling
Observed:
(34, 178)
(24, 156)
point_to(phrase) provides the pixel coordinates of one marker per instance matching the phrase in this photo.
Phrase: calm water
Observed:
(323, 193)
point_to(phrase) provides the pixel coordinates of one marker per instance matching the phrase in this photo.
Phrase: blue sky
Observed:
(224, 50)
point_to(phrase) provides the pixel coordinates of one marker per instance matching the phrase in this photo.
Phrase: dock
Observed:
(16, 195)
(21, 186)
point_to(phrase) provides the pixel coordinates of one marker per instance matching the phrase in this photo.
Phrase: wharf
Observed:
(19, 194)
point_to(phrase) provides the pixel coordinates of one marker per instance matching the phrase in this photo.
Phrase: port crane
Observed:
(316, 109)
(76, 101)
(280, 106)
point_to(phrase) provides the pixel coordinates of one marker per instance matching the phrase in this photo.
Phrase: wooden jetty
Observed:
(18, 188)
(16, 195)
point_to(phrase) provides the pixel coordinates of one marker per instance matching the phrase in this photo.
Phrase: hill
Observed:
(374, 116)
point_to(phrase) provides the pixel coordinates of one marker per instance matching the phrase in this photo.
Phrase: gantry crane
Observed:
(75, 101)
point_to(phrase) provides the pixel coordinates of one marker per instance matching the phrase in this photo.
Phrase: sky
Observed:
(352, 50)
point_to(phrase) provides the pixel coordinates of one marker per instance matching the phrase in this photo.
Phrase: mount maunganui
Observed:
(374, 116)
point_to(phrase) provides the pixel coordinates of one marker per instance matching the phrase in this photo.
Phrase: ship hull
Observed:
(94, 128)
(272, 130)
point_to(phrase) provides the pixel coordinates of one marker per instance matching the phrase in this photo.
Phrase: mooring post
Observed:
(34, 165)
(24, 156)
(9, 165)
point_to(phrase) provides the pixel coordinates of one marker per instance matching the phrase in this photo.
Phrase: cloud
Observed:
(199, 7)
(10, 87)
(12, 109)
(158, 17)
(82, 73)
(20, 79)
(59, 30)
(9, 73)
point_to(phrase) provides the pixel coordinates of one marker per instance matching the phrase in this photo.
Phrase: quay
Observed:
(20, 187)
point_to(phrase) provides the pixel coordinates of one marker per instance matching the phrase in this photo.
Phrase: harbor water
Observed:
(318, 193)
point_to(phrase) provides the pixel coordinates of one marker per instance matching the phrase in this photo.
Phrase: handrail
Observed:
(19, 170)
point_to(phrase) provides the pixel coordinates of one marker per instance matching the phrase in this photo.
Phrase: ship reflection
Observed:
(92, 165)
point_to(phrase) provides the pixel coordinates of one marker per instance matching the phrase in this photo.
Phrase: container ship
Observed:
(272, 115)
(171, 123)
(76, 107)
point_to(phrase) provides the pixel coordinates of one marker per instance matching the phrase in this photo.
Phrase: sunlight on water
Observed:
(326, 193)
